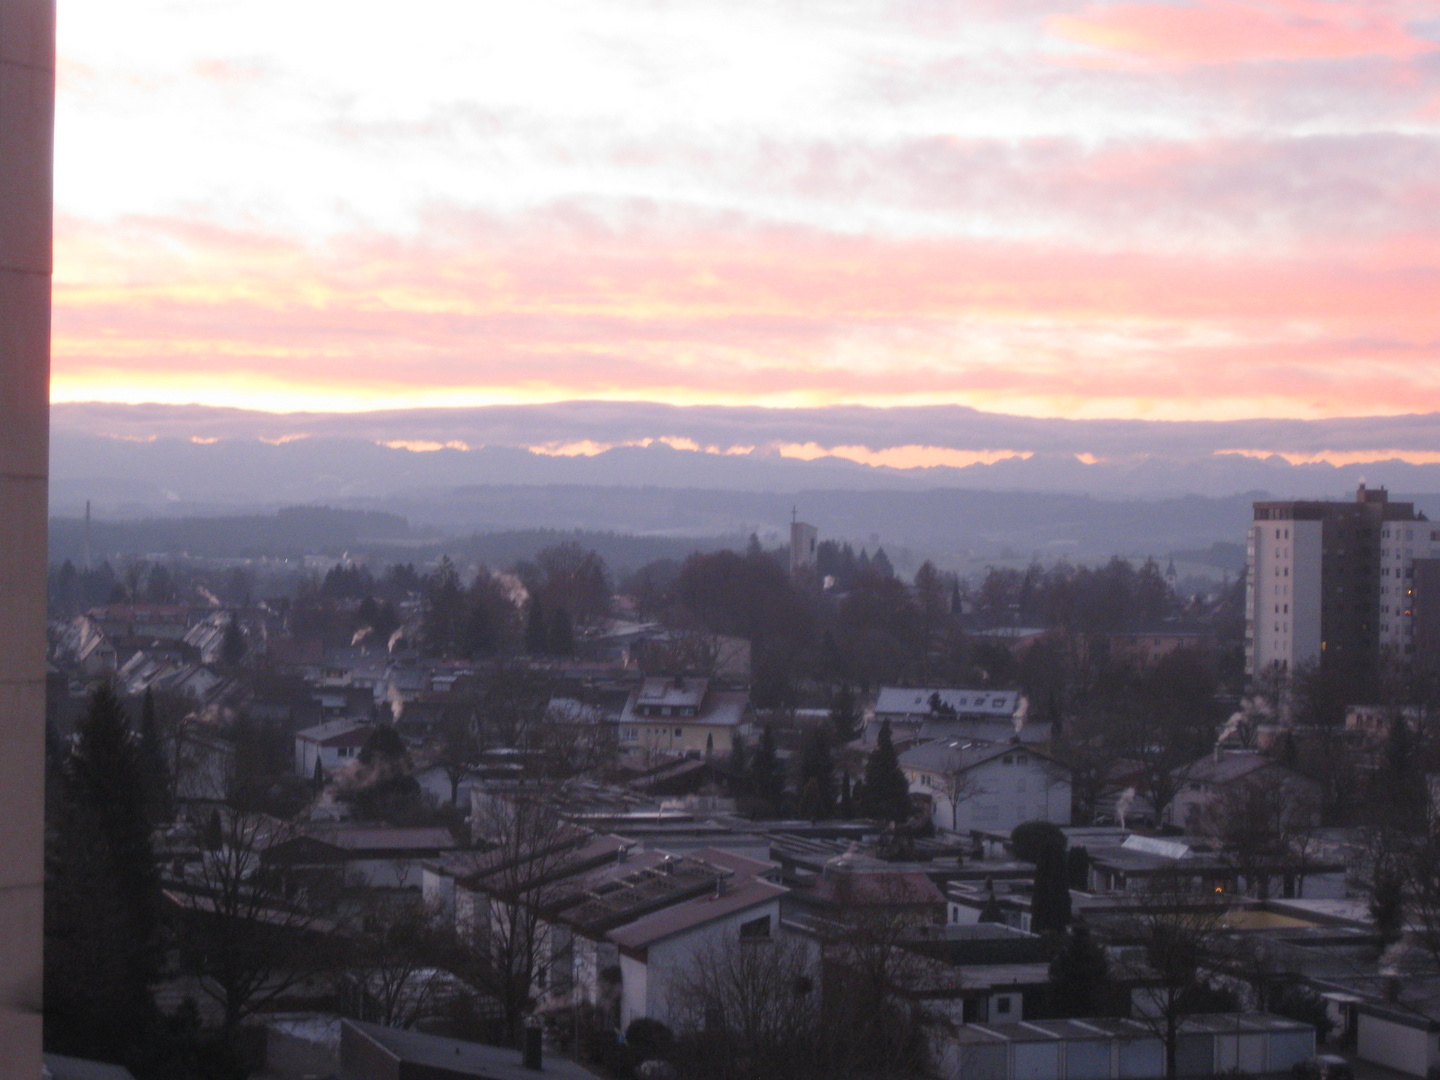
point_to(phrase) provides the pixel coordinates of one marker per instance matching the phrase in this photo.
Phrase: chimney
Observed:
(533, 1057)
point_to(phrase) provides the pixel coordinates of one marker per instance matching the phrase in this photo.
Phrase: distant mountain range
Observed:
(1083, 489)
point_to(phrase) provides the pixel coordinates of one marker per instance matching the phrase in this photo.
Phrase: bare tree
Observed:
(1264, 828)
(571, 739)
(457, 750)
(246, 938)
(748, 1008)
(876, 1024)
(959, 786)
(525, 852)
(1178, 928)
(394, 976)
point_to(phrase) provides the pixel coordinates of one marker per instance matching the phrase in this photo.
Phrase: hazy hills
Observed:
(1141, 488)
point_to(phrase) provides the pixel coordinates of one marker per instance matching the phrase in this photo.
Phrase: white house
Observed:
(333, 744)
(987, 786)
(657, 947)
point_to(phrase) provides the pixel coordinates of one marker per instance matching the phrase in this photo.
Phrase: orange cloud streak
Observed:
(161, 310)
(1230, 31)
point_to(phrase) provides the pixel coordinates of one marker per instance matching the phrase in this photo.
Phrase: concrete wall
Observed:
(27, 106)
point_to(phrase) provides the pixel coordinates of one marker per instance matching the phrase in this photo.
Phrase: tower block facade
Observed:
(27, 109)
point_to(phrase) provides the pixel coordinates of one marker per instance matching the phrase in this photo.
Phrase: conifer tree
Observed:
(562, 633)
(1050, 901)
(537, 640)
(817, 767)
(155, 772)
(845, 719)
(102, 895)
(887, 793)
(1079, 976)
(767, 780)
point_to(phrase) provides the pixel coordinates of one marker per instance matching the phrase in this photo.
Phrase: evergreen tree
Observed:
(880, 564)
(767, 779)
(232, 644)
(845, 719)
(887, 793)
(739, 761)
(152, 760)
(811, 806)
(1387, 906)
(1079, 976)
(1050, 901)
(817, 767)
(562, 633)
(102, 896)
(537, 641)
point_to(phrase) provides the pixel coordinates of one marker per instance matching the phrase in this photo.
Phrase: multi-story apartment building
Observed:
(1333, 583)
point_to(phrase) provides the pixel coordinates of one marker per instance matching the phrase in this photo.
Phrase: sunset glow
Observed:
(1211, 209)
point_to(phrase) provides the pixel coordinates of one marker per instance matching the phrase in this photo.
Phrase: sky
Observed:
(1201, 210)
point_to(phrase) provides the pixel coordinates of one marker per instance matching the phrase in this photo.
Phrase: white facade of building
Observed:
(1283, 595)
(992, 788)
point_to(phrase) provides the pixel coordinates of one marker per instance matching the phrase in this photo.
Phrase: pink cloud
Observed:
(567, 307)
(1230, 31)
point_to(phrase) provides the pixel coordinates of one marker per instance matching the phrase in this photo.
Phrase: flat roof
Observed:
(464, 1058)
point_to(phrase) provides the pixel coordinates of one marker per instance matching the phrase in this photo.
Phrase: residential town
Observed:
(765, 813)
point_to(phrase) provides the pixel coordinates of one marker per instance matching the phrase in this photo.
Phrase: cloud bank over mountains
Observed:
(202, 454)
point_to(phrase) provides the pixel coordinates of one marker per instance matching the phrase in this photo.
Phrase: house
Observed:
(741, 912)
(944, 712)
(367, 856)
(849, 892)
(987, 786)
(331, 744)
(1206, 781)
(683, 714)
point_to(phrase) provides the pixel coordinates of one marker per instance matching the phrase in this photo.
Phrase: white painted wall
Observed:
(999, 796)
(1285, 597)
(646, 985)
(1393, 1045)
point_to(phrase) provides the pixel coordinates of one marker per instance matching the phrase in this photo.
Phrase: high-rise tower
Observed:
(1332, 583)
(27, 109)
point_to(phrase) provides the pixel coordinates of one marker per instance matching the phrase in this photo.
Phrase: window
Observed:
(756, 929)
(1003, 1005)
(679, 732)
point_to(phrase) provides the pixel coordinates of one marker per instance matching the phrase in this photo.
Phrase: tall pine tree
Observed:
(817, 768)
(154, 771)
(102, 895)
(767, 777)
(886, 794)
